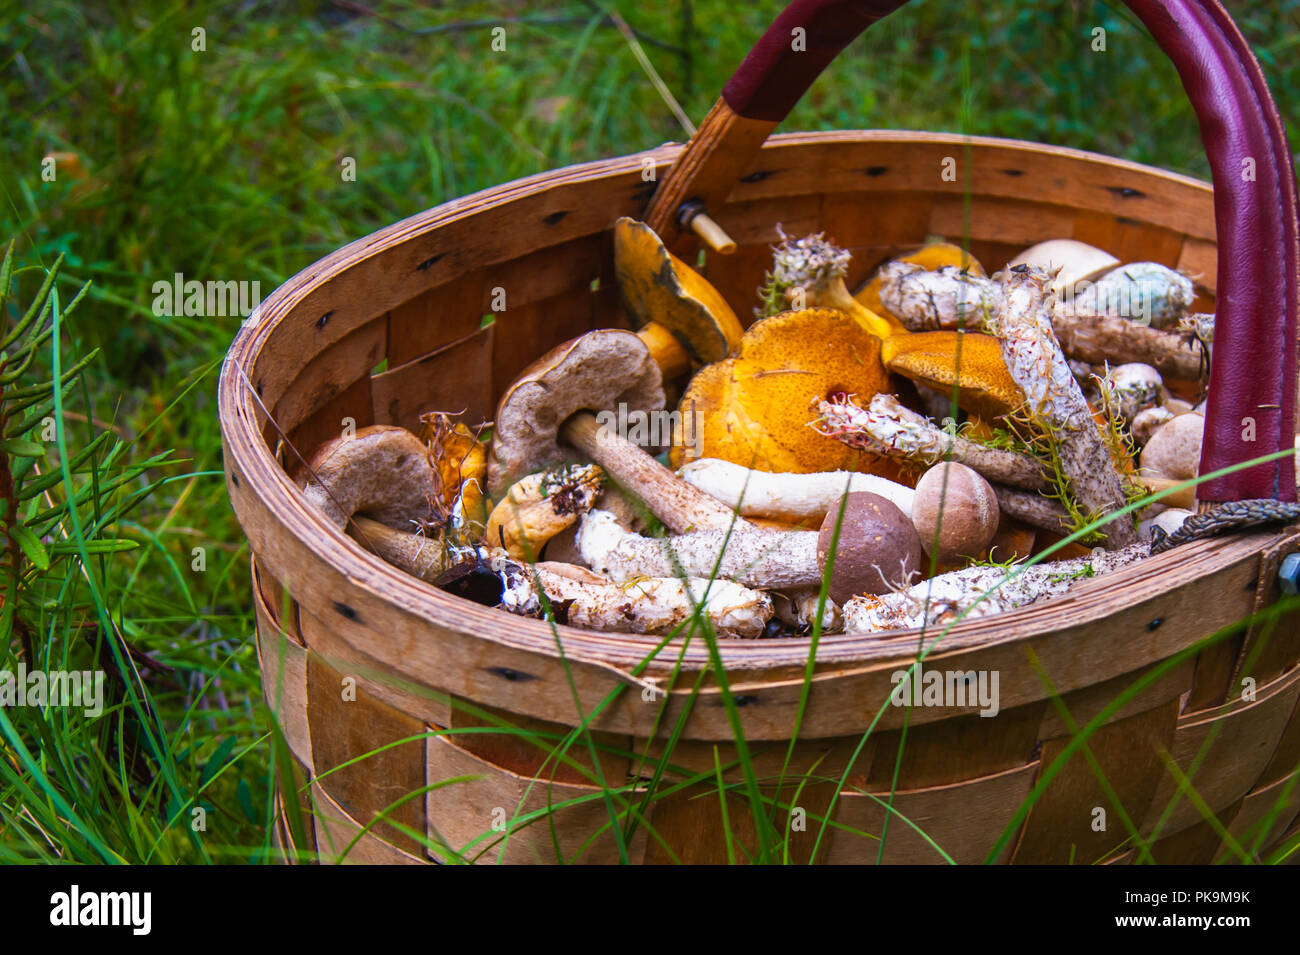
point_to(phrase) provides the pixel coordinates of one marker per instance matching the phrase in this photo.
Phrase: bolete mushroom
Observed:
(883, 552)
(539, 506)
(1054, 401)
(682, 317)
(955, 511)
(545, 418)
(932, 256)
(381, 470)
(753, 409)
(940, 360)
(980, 591)
(1174, 450)
(576, 595)
(1068, 261)
(948, 298)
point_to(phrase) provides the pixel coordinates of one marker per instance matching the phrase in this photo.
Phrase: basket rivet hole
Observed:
(511, 676)
(345, 611)
(321, 322)
(1155, 624)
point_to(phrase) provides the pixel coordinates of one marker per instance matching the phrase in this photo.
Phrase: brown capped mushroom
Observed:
(955, 511)
(877, 550)
(545, 418)
(381, 470)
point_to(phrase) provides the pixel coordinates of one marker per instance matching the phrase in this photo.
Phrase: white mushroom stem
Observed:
(1054, 400)
(887, 427)
(680, 506)
(787, 497)
(941, 599)
(645, 605)
(754, 557)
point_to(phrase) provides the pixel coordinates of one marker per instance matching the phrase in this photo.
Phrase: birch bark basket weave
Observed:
(426, 666)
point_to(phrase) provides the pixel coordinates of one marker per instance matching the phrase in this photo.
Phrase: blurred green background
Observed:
(225, 164)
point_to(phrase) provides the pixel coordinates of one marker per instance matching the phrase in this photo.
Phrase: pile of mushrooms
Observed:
(903, 446)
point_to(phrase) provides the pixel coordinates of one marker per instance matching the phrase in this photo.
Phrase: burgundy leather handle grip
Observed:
(1251, 410)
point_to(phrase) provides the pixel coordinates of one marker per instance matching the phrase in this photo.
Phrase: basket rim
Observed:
(246, 451)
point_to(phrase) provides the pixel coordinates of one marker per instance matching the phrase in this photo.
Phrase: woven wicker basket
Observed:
(1128, 651)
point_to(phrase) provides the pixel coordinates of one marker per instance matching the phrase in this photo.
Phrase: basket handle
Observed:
(1251, 410)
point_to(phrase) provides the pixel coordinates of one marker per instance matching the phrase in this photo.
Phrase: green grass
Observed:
(227, 164)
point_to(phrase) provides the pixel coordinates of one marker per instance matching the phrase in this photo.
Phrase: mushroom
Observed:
(1069, 261)
(1148, 421)
(955, 512)
(798, 609)
(931, 299)
(682, 316)
(786, 496)
(576, 595)
(545, 417)
(1145, 292)
(539, 506)
(380, 470)
(947, 298)
(932, 256)
(1054, 401)
(980, 591)
(940, 360)
(876, 547)
(883, 552)
(1174, 449)
(1168, 520)
(809, 273)
(461, 462)
(752, 409)
(888, 427)
(1131, 389)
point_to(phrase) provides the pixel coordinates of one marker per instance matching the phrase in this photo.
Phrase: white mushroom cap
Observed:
(1077, 261)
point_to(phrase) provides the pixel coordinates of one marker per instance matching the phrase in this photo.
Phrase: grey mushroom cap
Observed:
(382, 471)
(595, 372)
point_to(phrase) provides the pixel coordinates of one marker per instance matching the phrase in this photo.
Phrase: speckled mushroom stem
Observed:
(929, 300)
(948, 298)
(1098, 338)
(1032, 508)
(941, 599)
(680, 506)
(1054, 400)
(887, 427)
(648, 605)
(752, 556)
